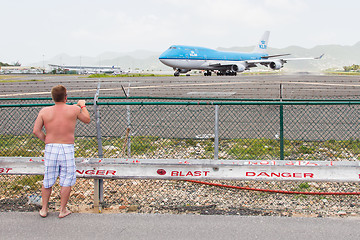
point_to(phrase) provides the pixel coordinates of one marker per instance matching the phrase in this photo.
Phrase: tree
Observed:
(17, 64)
(353, 67)
(4, 64)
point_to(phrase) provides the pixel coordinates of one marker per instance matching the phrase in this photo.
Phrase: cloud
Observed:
(88, 27)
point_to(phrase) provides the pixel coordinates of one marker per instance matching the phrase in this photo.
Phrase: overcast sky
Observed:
(37, 29)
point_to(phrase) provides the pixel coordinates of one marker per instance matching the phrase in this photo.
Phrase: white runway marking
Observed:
(322, 84)
(211, 94)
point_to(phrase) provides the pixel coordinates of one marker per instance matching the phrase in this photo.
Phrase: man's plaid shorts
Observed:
(59, 160)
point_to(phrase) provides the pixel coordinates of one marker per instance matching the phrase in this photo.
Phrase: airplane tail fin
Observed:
(261, 47)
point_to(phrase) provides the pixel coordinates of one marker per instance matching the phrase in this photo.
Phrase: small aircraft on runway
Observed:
(185, 58)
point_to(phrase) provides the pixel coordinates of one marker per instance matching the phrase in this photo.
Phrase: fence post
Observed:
(128, 130)
(98, 183)
(281, 125)
(216, 138)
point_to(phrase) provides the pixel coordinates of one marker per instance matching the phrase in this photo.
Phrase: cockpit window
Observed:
(172, 47)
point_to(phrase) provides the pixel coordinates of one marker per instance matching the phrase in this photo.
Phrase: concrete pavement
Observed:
(16, 225)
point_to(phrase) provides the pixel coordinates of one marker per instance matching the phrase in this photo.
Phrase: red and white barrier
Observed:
(195, 169)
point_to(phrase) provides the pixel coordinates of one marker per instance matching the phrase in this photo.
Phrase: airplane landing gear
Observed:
(230, 73)
(233, 73)
(227, 73)
(207, 73)
(177, 73)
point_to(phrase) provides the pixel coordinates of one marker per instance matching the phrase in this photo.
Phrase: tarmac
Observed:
(294, 86)
(29, 225)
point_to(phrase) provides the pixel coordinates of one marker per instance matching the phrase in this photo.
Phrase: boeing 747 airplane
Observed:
(185, 58)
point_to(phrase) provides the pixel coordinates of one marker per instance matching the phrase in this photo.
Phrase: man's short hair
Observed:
(58, 93)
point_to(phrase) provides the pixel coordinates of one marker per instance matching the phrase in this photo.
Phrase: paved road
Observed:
(142, 226)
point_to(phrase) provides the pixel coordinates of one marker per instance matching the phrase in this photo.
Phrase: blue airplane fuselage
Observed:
(201, 53)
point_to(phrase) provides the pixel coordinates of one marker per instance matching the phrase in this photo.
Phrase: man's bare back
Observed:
(59, 122)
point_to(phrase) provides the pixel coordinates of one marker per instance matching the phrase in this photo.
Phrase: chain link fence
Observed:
(184, 129)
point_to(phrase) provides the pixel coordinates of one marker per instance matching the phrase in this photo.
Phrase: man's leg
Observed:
(67, 177)
(45, 192)
(64, 194)
(50, 176)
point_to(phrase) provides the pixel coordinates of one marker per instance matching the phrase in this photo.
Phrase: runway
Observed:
(295, 86)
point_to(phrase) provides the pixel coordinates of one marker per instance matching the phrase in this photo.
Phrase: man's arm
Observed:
(84, 115)
(39, 123)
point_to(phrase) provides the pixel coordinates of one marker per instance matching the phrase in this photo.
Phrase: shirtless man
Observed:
(59, 122)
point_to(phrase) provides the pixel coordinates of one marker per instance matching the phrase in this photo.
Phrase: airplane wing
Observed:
(227, 66)
(290, 59)
(268, 61)
(277, 63)
(278, 55)
(219, 65)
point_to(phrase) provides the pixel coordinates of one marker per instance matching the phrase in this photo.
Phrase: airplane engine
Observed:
(178, 71)
(183, 70)
(237, 68)
(276, 65)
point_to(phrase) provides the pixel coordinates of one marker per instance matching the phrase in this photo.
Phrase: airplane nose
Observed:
(163, 55)
(167, 57)
(164, 61)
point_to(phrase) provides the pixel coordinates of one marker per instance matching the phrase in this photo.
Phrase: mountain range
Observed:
(336, 56)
